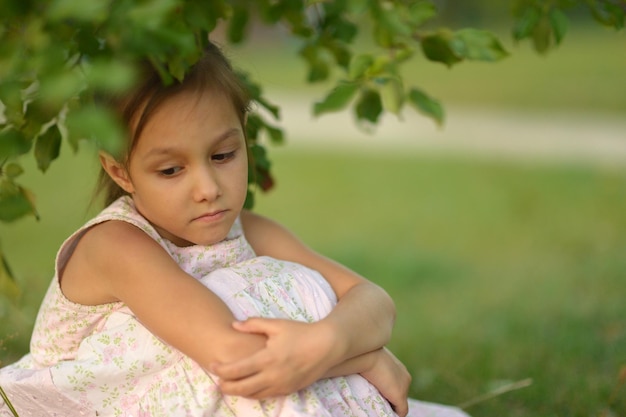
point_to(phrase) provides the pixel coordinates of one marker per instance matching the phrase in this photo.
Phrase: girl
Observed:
(146, 314)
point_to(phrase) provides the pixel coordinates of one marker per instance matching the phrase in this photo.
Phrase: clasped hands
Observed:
(296, 354)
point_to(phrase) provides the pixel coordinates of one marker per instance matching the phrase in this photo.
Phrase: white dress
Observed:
(101, 361)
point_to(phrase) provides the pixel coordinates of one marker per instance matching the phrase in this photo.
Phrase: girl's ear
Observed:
(116, 171)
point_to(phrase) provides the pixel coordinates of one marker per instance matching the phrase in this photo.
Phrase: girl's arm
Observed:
(363, 308)
(116, 261)
(329, 347)
(383, 370)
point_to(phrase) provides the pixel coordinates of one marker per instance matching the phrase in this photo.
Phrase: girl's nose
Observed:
(206, 185)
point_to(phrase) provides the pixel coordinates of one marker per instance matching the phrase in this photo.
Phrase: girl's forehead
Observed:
(159, 105)
(187, 116)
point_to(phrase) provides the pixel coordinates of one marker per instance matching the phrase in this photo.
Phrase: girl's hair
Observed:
(212, 72)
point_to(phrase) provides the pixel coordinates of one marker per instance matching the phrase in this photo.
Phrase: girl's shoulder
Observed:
(85, 259)
(123, 209)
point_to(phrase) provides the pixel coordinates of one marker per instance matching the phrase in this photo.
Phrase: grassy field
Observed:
(502, 272)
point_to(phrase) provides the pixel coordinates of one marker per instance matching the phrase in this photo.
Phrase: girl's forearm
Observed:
(364, 317)
(355, 365)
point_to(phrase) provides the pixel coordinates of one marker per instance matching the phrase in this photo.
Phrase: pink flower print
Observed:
(127, 402)
(112, 352)
(134, 346)
(285, 294)
(169, 388)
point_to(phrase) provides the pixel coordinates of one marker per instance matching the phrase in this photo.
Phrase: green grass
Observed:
(500, 272)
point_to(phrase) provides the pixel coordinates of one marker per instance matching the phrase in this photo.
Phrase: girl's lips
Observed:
(213, 216)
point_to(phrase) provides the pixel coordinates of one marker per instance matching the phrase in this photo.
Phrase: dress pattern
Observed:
(101, 361)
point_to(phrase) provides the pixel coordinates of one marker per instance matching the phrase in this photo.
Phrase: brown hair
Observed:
(211, 72)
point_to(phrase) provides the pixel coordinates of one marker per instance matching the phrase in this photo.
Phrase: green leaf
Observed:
(203, 15)
(12, 170)
(86, 10)
(426, 105)
(100, 124)
(11, 98)
(526, 23)
(369, 106)
(151, 14)
(344, 30)
(391, 94)
(337, 99)
(359, 65)
(318, 67)
(110, 75)
(60, 87)
(15, 201)
(88, 43)
(253, 126)
(238, 24)
(249, 203)
(8, 286)
(47, 147)
(436, 47)
(277, 135)
(260, 168)
(13, 143)
(383, 36)
(421, 12)
(608, 14)
(341, 53)
(391, 18)
(542, 35)
(273, 109)
(559, 23)
(318, 71)
(39, 112)
(259, 156)
(477, 45)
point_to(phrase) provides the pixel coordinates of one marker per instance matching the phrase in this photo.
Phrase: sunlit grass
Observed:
(500, 272)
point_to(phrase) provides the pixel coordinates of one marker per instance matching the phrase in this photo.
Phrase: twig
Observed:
(496, 392)
(8, 403)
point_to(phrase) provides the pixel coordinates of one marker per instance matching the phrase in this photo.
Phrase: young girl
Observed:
(161, 307)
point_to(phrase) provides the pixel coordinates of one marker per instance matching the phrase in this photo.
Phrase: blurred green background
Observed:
(502, 269)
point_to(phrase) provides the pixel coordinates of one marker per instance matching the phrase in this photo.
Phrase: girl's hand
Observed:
(296, 354)
(392, 379)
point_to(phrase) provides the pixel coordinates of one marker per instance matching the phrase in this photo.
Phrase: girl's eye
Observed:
(170, 171)
(222, 157)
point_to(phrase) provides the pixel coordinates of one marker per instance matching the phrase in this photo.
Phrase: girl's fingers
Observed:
(256, 386)
(243, 368)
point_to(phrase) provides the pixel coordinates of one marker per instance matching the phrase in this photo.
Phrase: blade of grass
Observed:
(8, 403)
(496, 392)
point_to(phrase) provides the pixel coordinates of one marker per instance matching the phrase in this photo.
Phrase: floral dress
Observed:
(101, 361)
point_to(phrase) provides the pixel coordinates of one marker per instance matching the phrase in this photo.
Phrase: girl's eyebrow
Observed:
(168, 150)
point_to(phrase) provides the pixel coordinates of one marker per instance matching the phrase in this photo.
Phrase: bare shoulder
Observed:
(270, 238)
(102, 249)
(267, 237)
(252, 221)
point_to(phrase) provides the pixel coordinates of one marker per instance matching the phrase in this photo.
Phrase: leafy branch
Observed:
(57, 55)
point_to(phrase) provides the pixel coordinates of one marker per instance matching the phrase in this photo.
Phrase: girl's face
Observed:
(188, 172)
